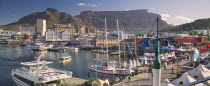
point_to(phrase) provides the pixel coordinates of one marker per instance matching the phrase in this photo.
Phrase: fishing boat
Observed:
(111, 67)
(65, 59)
(37, 73)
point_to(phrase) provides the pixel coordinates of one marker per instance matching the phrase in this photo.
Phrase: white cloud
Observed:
(165, 16)
(82, 4)
(183, 18)
(153, 8)
(87, 4)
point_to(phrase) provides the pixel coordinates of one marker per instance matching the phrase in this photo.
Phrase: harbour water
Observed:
(12, 56)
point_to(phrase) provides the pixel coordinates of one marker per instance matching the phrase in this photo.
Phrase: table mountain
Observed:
(134, 19)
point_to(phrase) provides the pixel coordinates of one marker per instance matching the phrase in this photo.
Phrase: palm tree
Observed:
(142, 35)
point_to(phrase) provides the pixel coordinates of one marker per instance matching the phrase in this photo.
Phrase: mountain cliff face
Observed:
(52, 16)
(134, 19)
(140, 20)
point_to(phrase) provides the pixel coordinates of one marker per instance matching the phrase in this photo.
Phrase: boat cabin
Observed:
(67, 58)
(35, 65)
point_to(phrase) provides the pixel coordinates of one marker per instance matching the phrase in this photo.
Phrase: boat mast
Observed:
(53, 36)
(136, 55)
(118, 33)
(107, 58)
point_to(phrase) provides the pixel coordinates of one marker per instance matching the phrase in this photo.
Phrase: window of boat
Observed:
(31, 83)
(61, 58)
(38, 65)
(33, 66)
(53, 82)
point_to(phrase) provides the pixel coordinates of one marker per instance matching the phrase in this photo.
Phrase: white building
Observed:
(205, 32)
(41, 26)
(27, 29)
(61, 27)
(82, 30)
(57, 35)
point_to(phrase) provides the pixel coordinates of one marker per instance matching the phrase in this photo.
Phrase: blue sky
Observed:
(173, 11)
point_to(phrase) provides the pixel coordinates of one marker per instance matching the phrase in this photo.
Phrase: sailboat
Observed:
(115, 68)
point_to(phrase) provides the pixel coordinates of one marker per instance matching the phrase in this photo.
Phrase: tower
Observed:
(41, 26)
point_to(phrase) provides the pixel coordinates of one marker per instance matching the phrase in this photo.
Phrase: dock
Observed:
(145, 79)
(73, 81)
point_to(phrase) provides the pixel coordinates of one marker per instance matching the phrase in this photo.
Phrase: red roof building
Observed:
(192, 40)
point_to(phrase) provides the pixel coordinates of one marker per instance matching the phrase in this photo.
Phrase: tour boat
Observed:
(65, 59)
(37, 73)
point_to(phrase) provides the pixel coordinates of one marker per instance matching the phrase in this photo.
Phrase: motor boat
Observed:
(37, 73)
(65, 59)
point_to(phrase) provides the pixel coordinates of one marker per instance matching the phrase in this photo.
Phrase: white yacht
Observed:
(37, 73)
(114, 68)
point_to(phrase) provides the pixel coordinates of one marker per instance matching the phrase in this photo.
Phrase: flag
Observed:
(134, 63)
(202, 49)
(196, 55)
(114, 70)
(37, 58)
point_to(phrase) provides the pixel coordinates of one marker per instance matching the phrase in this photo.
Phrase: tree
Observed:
(201, 34)
(195, 32)
(149, 35)
(142, 35)
(161, 34)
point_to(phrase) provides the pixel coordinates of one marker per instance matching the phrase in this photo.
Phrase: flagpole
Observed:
(157, 63)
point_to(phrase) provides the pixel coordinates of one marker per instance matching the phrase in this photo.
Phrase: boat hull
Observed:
(18, 82)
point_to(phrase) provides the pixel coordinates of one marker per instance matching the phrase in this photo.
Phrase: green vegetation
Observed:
(196, 25)
(192, 32)
(139, 35)
(150, 35)
(195, 63)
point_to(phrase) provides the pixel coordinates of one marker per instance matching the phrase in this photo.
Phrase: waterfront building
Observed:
(5, 35)
(121, 34)
(204, 32)
(82, 30)
(131, 42)
(41, 26)
(192, 40)
(63, 27)
(101, 41)
(57, 35)
(85, 40)
(27, 30)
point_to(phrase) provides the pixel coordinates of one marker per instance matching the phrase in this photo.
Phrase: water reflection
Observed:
(11, 56)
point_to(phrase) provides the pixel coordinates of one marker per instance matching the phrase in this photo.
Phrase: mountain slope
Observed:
(52, 16)
(196, 25)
